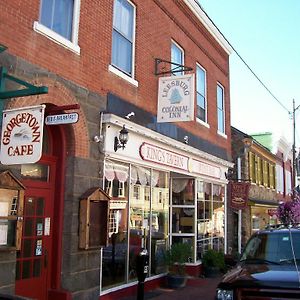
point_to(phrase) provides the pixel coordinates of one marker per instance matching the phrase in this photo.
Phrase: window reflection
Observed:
(210, 217)
(146, 212)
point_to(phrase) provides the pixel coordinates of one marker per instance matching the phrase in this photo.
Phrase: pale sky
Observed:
(266, 34)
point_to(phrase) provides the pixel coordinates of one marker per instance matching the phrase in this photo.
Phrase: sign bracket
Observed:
(174, 68)
(29, 89)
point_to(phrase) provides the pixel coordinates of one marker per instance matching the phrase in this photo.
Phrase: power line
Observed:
(244, 62)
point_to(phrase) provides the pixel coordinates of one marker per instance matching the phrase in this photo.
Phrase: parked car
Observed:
(268, 267)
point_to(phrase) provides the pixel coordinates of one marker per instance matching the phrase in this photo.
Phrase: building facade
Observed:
(264, 164)
(116, 172)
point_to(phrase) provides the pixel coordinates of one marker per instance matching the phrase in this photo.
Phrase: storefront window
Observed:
(114, 259)
(183, 211)
(139, 215)
(210, 217)
(182, 191)
(159, 223)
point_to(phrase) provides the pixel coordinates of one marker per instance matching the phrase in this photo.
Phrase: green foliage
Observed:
(177, 256)
(212, 258)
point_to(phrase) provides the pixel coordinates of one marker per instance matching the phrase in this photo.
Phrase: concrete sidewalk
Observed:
(196, 288)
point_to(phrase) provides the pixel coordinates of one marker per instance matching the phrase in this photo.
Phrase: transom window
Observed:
(177, 56)
(201, 94)
(123, 36)
(220, 109)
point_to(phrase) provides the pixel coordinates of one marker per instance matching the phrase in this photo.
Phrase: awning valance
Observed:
(263, 202)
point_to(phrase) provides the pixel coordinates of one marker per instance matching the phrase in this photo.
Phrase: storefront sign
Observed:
(176, 99)
(61, 119)
(162, 156)
(22, 135)
(199, 167)
(238, 193)
(272, 212)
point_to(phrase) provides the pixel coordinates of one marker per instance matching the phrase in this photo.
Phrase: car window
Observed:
(274, 247)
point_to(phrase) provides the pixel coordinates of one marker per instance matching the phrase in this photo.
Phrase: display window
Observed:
(138, 218)
(210, 217)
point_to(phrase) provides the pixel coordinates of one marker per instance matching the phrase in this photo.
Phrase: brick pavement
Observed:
(196, 288)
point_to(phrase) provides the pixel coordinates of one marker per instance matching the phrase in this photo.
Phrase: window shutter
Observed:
(256, 169)
(259, 181)
(271, 176)
(250, 166)
(265, 164)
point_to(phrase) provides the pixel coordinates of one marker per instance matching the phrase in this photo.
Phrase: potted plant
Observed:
(213, 263)
(175, 258)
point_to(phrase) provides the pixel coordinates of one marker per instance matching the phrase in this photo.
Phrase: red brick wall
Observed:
(157, 23)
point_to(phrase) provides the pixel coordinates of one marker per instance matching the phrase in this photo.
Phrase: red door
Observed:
(33, 271)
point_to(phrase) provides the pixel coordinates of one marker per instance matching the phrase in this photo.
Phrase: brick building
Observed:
(264, 163)
(92, 200)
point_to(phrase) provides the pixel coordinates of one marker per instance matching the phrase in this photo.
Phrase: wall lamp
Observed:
(122, 140)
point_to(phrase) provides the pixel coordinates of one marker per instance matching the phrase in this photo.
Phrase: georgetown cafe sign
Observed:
(22, 135)
(176, 99)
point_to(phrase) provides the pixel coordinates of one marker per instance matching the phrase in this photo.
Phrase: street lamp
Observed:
(294, 150)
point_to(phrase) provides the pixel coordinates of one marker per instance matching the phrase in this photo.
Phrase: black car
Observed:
(269, 267)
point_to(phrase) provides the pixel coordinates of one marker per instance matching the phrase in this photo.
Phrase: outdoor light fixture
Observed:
(186, 139)
(122, 140)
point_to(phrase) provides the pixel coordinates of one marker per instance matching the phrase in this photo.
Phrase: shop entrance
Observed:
(38, 265)
(34, 260)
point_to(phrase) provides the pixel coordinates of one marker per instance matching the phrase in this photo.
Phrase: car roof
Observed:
(280, 228)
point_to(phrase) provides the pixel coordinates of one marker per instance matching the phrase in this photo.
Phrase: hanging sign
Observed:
(238, 193)
(61, 119)
(22, 135)
(176, 99)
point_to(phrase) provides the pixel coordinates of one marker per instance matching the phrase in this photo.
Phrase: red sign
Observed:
(238, 193)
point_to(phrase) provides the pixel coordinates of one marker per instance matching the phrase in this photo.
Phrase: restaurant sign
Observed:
(238, 193)
(22, 135)
(176, 99)
(162, 156)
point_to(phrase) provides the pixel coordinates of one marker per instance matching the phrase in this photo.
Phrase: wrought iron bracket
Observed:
(173, 68)
(29, 89)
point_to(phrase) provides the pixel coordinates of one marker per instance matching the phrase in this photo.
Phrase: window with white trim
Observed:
(177, 56)
(123, 36)
(220, 109)
(288, 180)
(59, 20)
(201, 94)
(279, 177)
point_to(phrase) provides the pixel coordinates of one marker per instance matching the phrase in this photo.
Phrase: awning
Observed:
(263, 202)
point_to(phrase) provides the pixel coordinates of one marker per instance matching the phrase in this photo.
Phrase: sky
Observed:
(266, 34)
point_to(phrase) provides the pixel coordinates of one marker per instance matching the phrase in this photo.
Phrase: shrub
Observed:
(212, 258)
(177, 256)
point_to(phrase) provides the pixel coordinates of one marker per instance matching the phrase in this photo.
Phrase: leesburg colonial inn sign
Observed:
(176, 99)
(22, 135)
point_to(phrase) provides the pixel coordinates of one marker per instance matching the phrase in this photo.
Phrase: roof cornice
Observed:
(209, 25)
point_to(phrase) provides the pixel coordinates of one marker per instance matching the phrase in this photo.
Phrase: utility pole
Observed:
(294, 149)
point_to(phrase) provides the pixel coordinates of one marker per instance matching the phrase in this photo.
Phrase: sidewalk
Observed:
(196, 288)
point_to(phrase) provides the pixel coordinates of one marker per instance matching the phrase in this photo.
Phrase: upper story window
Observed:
(59, 20)
(201, 94)
(177, 56)
(261, 171)
(123, 36)
(220, 109)
(58, 16)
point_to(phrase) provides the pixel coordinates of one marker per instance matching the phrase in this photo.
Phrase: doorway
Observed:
(39, 259)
